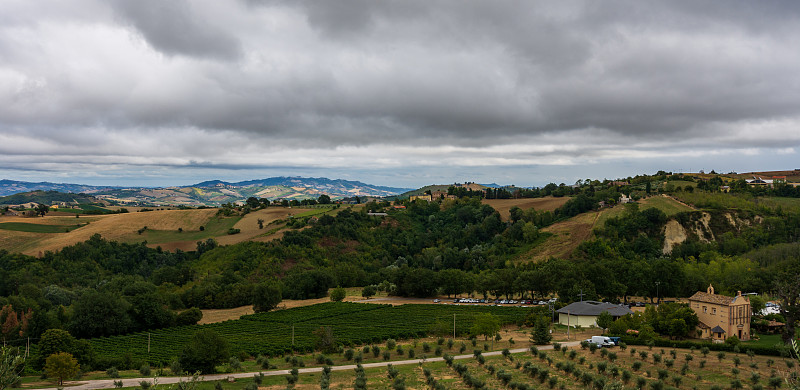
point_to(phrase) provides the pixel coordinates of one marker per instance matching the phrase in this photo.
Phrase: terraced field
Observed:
(283, 331)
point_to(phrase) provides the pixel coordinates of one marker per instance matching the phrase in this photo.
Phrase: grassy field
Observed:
(216, 226)
(36, 235)
(666, 204)
(565, 237)
(38, 228)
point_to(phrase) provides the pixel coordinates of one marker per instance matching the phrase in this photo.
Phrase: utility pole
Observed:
(292, 335)
(454, 326)
(568, 324)
(581, 294)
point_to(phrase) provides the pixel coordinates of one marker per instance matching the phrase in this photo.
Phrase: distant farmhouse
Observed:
(721, 316)
(435, 195)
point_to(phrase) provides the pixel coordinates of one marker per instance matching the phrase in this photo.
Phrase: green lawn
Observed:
(787, 204)
(768, 340)
(216, 226)
(37, 228)
(667, 205)
(765, 340)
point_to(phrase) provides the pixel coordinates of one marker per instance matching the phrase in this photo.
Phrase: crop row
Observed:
(283, 331)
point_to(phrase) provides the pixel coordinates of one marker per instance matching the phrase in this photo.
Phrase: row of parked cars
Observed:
(500, 301)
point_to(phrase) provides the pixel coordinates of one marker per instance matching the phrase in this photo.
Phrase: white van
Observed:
(600, 341)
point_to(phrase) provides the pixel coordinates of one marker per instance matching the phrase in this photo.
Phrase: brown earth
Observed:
(544, 204)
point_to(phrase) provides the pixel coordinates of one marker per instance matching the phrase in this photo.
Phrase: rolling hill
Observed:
(211, 193)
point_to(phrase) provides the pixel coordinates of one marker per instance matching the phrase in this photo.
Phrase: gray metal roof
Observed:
(594, 308)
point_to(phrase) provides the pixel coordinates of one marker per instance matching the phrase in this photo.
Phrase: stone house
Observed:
(721, 316)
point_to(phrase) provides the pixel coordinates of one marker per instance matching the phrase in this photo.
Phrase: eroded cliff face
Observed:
(674, 234)
(704, 227)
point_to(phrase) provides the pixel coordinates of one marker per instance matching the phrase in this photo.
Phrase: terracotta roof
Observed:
(711, 298)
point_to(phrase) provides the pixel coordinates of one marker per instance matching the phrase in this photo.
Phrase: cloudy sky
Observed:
(401, 93)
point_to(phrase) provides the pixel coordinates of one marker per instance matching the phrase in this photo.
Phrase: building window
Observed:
(713, 310)
(705, 309)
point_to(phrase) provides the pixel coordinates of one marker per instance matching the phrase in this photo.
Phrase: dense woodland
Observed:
(101, 288)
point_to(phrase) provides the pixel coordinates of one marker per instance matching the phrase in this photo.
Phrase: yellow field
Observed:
(162, 228)
(543, 204)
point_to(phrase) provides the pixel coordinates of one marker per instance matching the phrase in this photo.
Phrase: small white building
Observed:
(585, 313)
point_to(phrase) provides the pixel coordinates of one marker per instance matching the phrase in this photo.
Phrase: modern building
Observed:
(721, 316)
(585, 313)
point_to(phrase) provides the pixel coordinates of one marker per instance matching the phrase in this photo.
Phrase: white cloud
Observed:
(459, 88)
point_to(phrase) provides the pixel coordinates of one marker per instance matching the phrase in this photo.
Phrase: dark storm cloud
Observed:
(261, 83)
(175, 27)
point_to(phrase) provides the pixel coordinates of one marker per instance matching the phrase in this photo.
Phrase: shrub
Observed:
(235, 363)
(145, 369)
(204, 351)
(112, 372)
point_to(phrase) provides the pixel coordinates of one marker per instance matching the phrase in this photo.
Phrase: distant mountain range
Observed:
(10, 187)
(214, 192)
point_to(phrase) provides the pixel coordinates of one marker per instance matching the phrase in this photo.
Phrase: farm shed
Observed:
(585, 313)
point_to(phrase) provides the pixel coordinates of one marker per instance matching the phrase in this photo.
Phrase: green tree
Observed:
(42, 209)
(324, 199)
(260, 223)
(253, 202)
(100, 314)
(541, 331)
(324, 339)
(787, 284)
(266, 296)
(62, 366)
(338, 294)
(757, 304)
(369, 291)
(485, 324)
(204, 352)
(11, 366)
(604, 320)
(53, 341)
(189, 317)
